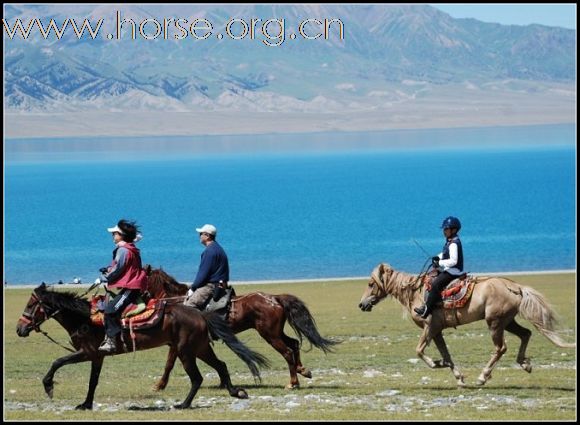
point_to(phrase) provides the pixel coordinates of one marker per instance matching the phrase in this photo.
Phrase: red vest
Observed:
(134, 277)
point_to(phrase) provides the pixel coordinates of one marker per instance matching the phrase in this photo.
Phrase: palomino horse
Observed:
(264, 312)
(185, 329)
(495, 299)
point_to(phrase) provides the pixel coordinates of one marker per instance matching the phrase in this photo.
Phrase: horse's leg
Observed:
(47, 381)
(424, 341)
(497, 336)
(221, 368)
(446, 359)
(189, 364)
(96, 366)
(524, 335)
(295, 347)
(278, 344)
(171, 357)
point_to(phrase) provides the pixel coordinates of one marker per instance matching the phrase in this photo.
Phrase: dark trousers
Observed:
(437, 285)
(114, 309)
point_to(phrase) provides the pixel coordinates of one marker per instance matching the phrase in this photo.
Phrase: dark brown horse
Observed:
(183, 328)
(496, 300)
(264, 312)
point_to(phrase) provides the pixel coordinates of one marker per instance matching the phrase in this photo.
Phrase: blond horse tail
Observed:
(536, 309)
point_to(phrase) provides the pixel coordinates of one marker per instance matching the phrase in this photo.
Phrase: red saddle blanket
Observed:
(149, 317)
(457, 293)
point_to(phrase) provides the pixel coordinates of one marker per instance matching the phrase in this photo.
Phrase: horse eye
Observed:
(370, 284)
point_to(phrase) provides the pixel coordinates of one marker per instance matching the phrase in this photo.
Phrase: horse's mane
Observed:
(400, 285)
(159, 281)
(64, 300)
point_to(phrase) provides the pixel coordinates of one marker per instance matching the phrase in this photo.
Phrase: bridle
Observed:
(31, 318)
(38, 307)
(376, 287)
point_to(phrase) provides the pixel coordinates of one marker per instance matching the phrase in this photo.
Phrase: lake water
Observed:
(307, 213)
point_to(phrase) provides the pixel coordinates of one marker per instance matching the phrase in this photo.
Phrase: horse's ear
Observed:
(147, 269)
(384, 268)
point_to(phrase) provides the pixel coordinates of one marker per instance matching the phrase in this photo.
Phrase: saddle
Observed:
(222, 304)
(135, 316)
(456, 293)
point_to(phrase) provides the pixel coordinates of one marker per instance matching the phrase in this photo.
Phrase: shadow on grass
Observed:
(281, 387)
(496, 387)
(163, 408)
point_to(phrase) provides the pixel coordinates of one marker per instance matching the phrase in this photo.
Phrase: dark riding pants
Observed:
(437, 285)
(114, 309)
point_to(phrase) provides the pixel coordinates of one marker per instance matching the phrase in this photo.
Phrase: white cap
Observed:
(115, 229)
(207, 228)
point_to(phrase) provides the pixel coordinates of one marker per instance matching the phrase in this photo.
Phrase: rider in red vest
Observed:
(124, 273)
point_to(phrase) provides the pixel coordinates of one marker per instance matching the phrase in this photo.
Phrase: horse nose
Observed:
(21, 330)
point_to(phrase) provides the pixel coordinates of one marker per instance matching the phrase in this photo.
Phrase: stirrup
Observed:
(423, 312)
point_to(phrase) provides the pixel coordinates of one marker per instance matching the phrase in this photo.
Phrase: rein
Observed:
(56, 342)
(420, 275)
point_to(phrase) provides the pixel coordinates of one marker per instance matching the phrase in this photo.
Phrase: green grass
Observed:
(372, 375)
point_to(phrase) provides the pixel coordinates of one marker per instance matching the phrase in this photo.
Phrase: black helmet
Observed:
(451, 222)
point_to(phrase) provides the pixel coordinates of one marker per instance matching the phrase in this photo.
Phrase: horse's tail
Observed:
(300, 319)
(219, 329)
(535, 308)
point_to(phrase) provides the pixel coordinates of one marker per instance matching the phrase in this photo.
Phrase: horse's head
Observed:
(160, 284)
(35, 313)
(376, 290)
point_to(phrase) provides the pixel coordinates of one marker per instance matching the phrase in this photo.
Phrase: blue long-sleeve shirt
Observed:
(213, 266)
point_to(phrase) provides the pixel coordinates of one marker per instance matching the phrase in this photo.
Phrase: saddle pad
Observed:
(147, 317)
(458, 293)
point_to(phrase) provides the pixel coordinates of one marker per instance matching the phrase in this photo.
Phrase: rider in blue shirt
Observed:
(213, 269)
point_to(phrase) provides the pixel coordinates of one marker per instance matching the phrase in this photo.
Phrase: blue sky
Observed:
(560, 15)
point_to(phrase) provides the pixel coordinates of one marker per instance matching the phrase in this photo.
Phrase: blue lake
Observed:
(299, 214)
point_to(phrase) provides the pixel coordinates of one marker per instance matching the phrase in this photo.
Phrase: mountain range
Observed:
(389, 54)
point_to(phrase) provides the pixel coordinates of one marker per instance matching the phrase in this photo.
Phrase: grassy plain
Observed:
(373, 375)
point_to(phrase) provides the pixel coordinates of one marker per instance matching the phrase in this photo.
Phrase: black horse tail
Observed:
(219, 329)
(300, 319)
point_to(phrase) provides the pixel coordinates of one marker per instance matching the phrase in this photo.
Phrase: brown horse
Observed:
(185, 329)
(495, 299)
(264, 312)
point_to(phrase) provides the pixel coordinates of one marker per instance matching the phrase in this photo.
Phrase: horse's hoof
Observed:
(438, 364)
(241, 393)
(526, 366)
(181, 406)
(292, 386)
(49, 392)
(305, 372)
(159, 387)
(84, 407)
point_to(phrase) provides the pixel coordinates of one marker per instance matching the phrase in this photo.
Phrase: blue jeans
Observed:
(114, 309)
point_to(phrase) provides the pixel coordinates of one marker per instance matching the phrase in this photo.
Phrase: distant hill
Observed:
(390, 53)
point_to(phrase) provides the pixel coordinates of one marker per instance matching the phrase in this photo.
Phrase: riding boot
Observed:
(426, 309)
(108, 345)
